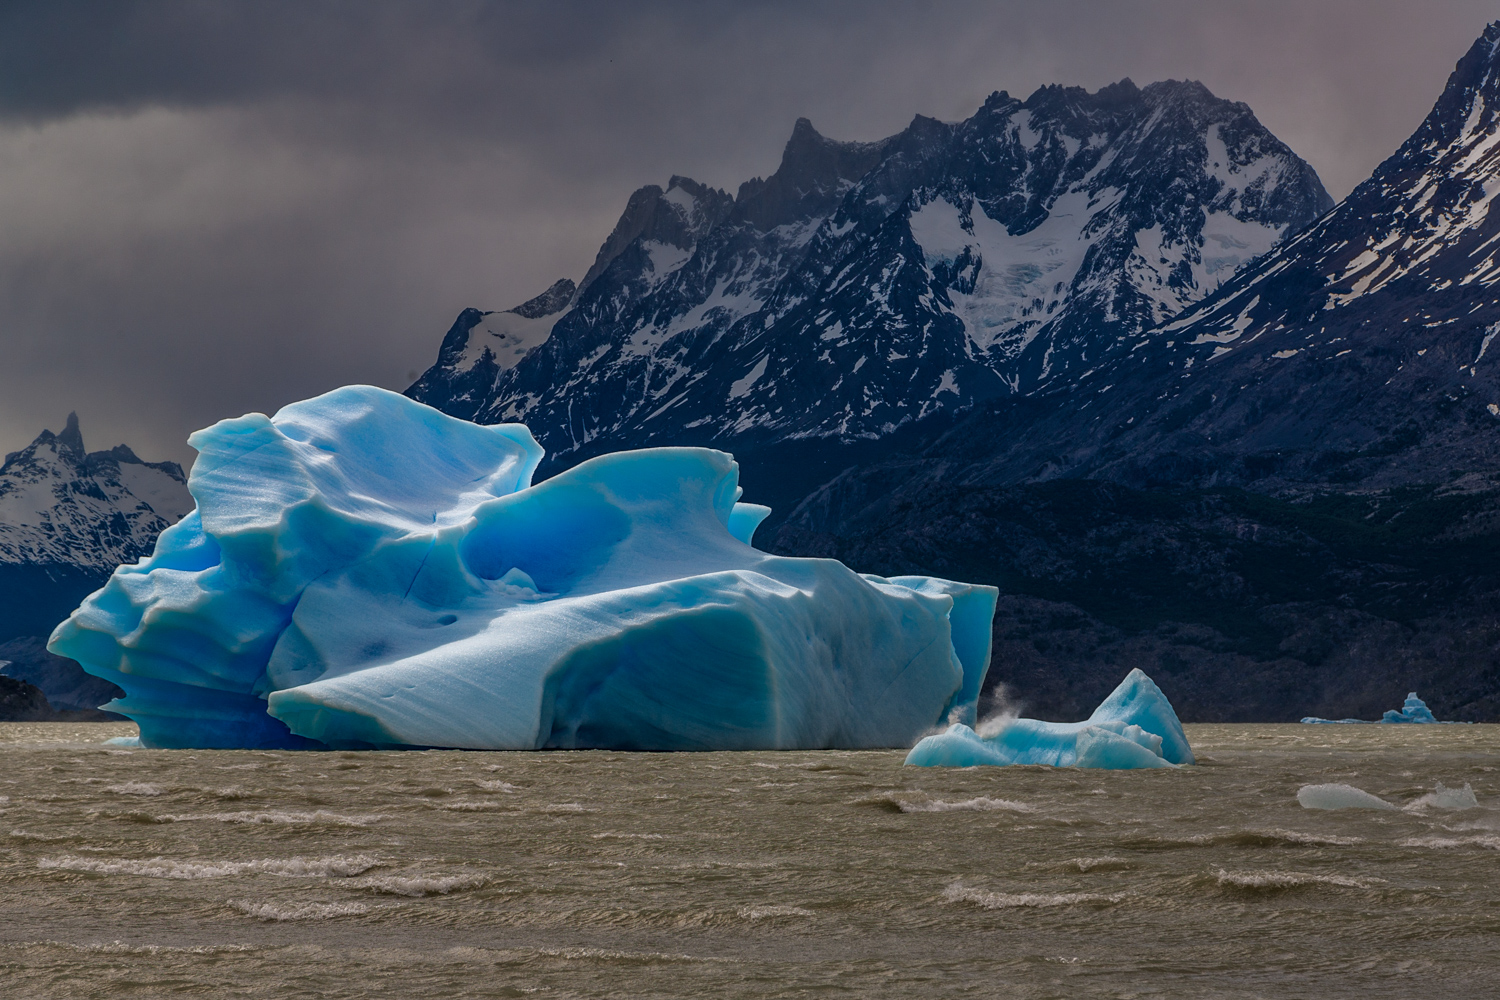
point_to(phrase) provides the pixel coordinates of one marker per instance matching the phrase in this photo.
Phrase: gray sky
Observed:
(210, 208)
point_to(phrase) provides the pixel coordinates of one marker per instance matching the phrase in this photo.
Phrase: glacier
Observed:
(1413, 710)
(1135, 727)
(364, 571)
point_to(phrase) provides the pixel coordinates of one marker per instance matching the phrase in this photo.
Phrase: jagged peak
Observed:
(926, 124)
(1054, 95)
(1472, 81)
(71, 437)
(653, 213)
(813, 169)
(803, 130)
(1190, 88)
(1465, 112)
(555, 299)
(68, 445)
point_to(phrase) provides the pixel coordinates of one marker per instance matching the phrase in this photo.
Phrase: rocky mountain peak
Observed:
(72, 438)
(677, 217)
(554, 299)
(62, 505)
(815, 172)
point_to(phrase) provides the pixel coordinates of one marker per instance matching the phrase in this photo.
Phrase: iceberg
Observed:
(1135, 727)
(1339, 796)
(1413, 710)
(362, 570)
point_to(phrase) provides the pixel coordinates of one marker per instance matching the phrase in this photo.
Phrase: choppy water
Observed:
(588, 874)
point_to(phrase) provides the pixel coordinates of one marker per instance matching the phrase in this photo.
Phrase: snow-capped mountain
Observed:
(60, 504)
(863, 286)
(1360, 352)
(1288, 495)
(68, 517)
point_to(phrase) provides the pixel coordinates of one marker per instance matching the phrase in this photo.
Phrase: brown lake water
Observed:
(152, 873)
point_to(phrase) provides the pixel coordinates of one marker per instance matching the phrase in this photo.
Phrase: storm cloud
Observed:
(210, 208)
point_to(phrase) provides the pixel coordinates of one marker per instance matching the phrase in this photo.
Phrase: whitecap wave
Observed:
(134, 788)
(913, 804)
(273, 817)
(298, 911)
(175, 868)
(754, 913)
(418, 885)
(1300, 839)
(1489, 841)
(1443, 797)
(960, 893)
(1084, 865)
(1275, 880)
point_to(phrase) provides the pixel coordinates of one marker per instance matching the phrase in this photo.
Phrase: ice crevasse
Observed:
(362, 570)
(1135, 727)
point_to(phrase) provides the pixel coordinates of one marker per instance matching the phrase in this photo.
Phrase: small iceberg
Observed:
(1135, 727)
(1341, 796)
(1414, 710)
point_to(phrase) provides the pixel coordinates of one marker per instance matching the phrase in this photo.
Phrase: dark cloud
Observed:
(207, 207)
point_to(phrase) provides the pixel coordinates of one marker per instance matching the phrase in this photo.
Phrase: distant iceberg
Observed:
(1414, 710)
(1135, 727)
(362, 570)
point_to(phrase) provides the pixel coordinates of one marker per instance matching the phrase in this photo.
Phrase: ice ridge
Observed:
(1134, 727)
(362, 570)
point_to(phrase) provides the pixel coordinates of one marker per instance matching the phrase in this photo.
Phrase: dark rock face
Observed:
(864, 286)
(1242, 606)
(22, 702)
(63, 682)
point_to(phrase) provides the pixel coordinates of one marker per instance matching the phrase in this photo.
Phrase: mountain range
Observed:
(1115, 352)
(865, 286)
(68, 517)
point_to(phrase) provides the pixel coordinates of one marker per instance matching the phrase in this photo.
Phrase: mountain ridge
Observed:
(929, 247)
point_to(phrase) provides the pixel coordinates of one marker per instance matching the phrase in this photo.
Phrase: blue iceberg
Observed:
(1413, 710)
(1134, 727)
(364, 571)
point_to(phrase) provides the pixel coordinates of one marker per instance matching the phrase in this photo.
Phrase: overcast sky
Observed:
(210, 208)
